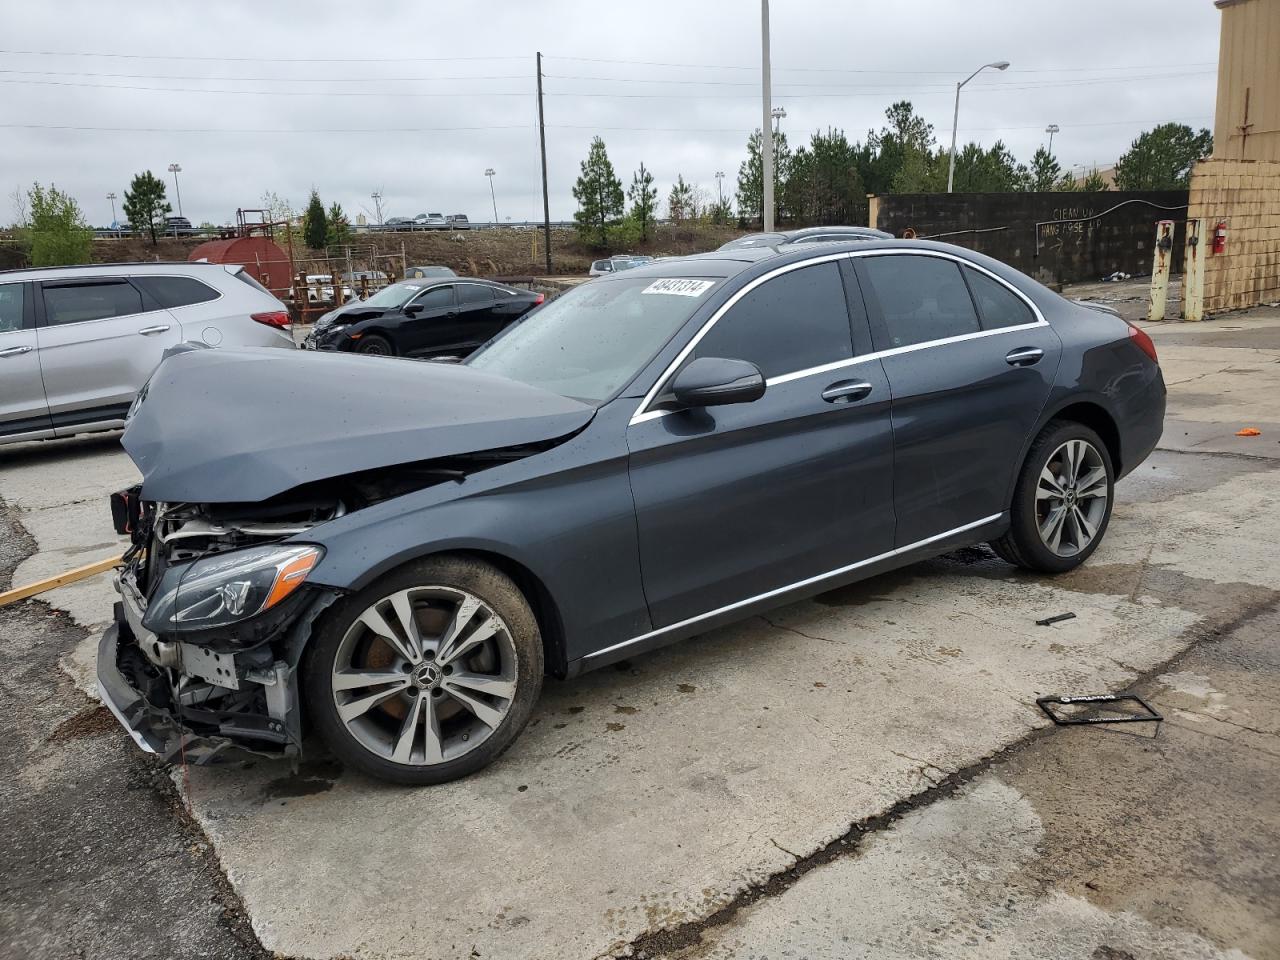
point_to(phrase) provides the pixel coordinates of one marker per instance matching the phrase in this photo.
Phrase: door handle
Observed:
(846, 391)
(158, 328)
(1023, 356)
(14, 351)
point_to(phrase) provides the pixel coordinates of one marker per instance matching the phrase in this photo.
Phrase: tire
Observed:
(1038, 512)
(453, 727)
(376, 345)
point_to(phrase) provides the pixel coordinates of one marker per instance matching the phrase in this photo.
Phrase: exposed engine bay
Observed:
(209, 632)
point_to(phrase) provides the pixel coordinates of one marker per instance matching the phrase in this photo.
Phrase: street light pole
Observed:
(955, 118)
(766, 128)
(778, 114)
(1051, 129)
(489, 171)
(175, 169)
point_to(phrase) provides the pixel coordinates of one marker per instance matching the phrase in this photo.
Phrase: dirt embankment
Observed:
(485, 253)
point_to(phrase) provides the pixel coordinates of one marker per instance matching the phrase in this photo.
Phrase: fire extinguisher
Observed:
(1220, 237)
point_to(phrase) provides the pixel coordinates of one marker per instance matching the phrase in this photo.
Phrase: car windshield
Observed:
(396, 295)
(593, 340)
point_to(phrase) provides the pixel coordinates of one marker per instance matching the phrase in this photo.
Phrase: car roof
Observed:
(729, 263)
(112, 269)
(793, 235)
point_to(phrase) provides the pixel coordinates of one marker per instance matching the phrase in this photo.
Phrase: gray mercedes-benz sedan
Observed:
(396, 563)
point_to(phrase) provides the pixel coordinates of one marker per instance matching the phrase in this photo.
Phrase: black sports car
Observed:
(423, 318)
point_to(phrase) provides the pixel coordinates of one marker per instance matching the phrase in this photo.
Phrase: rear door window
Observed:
(176, 291)
(792, 322)
(998, 306)
(435, 298)
(474, 293)
(921, 299)
(101, 300)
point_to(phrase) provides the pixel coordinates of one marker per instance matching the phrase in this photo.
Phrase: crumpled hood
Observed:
(227, 426)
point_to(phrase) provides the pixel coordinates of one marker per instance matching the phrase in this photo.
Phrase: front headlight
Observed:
(228, 587)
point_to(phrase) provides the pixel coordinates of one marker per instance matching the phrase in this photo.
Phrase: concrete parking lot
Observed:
(863, 774)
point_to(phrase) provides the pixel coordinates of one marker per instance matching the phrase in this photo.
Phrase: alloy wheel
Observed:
(1071, 497)
(425, 675)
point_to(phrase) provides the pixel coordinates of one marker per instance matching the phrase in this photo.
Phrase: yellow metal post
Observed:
(1160, 270)
(1193, 270)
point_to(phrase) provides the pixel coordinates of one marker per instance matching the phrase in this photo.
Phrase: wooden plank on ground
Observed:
(61, 580)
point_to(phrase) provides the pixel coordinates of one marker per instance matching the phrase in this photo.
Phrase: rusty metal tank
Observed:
(261, 258)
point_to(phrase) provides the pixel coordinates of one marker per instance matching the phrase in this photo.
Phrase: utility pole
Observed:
(766, 128)
(1051, 129)
(719, 186)
(376, 197)
(114, 226)
(542, 144)
(955, 117)
(175, 169)
(489, 171)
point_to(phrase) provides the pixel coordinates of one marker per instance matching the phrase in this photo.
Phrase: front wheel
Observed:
(428, 674)
(1062, 500)
(375, 346)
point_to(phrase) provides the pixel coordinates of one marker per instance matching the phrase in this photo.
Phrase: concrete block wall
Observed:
(1246, 194)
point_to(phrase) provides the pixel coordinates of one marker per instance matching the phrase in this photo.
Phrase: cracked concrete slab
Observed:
(690, 775)
(649, 796)
(1107, 843)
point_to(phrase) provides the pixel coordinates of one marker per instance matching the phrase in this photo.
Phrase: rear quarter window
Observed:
(998, 306)
(176, 291)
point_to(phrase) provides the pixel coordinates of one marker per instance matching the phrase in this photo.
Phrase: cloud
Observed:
(420, 98)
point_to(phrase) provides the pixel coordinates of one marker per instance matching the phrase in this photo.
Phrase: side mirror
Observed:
(715, 381)
(413, 309)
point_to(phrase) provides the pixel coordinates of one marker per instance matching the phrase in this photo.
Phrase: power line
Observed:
(272, 59)
(166, 76)
(256, 130)
(522, 126)
(864, 70)
(269, 93)
(645, 63)
(865, 86)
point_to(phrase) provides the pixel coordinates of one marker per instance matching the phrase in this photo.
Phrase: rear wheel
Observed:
(376, 345)
(1062, 500)
(427, 675)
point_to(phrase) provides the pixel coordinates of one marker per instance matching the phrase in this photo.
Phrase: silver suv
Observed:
(76, 343)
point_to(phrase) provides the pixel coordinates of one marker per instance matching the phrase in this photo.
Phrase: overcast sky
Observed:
(418, 99)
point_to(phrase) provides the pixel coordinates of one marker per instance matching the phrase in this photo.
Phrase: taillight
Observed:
(538, 300)
(1142, 341)
(276, 318)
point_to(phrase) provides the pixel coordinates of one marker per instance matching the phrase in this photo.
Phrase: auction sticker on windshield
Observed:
(680, 288)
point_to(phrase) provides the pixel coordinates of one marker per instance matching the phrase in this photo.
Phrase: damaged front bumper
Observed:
(186, 703)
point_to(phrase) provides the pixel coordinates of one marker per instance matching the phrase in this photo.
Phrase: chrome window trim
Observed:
(643, 414)
(799, 584)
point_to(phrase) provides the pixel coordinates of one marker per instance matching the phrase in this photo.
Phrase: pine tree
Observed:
(680, 202)
(145, 205)
(599, 195)
(338, 228)
(315, 228)
(644, 198)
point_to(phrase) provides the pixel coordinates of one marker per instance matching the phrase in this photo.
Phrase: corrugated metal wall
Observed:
(1248, 64)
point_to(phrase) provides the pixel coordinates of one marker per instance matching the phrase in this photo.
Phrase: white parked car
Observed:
(77, 343)
(320, 289)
